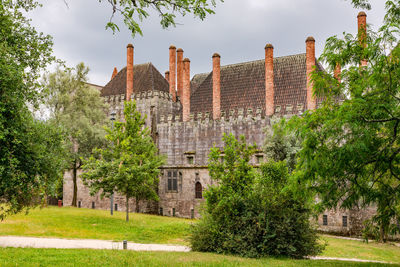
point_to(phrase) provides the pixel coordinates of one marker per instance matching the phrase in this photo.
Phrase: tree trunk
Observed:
(382, 233)
(137, 205)
(127, 208)
(74, 178)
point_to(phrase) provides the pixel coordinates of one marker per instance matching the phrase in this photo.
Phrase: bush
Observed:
(251, 213)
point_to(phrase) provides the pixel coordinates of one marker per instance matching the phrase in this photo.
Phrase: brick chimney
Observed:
(186, 90)
(129, 72)
(115, 72)
(310, 63)
(216, 76)
(179, 71)
(362, 33)
(172, 72)
(337, 72)
(167, 75)
(269, 80)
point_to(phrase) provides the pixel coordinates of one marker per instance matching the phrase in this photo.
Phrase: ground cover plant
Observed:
(84, 257)
(250, 212)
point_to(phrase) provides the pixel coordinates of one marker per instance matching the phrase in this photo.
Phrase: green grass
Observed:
(342, 248)
(70, 222)
(74, 257)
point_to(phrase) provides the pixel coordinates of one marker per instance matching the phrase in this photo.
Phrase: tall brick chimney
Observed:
(179, 71)
(216, 76)
(172, 72)
(310, 63)
(115, 72)
(167, 75)
(129, 72)
(269, 80)
(186, 90)
(362, 33)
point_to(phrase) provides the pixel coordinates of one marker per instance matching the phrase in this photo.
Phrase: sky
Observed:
(238, 31)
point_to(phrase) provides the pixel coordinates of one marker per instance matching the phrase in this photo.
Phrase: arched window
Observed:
(199, 190)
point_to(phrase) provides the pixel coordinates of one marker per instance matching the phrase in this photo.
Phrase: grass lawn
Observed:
(74, 257)
(70, 222)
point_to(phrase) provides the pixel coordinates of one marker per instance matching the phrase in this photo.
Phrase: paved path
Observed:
(34, 242)
(38, 242)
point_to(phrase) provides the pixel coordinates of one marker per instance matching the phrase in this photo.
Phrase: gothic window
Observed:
(199, 190)
(172, 180)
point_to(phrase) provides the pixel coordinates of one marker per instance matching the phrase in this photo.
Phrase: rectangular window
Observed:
(325, 220)
(116, 207)
(173, 181)
(79, 204)
(192, 213)
(344, 221)
(93, 205)
(161, 211)
(190, 160)
(259, 158)
(173, 212)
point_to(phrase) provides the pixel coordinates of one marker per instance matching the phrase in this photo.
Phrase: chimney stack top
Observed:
(186, 60)
(216, 55)
(179, 50)
(129, 46)
(361, 14)
(172, 47)
(310, 39)
(269, 46)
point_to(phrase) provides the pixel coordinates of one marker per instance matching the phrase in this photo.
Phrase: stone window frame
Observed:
(325, 220)
(345, 221)
(172, 181)
(190, 157)
(198, 190)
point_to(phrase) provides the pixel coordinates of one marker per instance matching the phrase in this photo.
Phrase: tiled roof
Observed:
(145, 78)
(243, 86)
(196, 81)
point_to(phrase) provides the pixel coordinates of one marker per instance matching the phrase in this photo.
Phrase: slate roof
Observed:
(243, 86)
(145, 78)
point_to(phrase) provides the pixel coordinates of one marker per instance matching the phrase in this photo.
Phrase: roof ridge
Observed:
(258, 60)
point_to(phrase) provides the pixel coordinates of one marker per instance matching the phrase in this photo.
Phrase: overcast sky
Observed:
(238, 32)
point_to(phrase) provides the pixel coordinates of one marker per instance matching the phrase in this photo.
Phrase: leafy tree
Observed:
(350, 155)
(250, 212)
(80, 111)
(281, 144)
(129, 164)
(134, 11)
(24, 53)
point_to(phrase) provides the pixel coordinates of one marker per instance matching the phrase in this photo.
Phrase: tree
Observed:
(129, 164)
(24, 53)
(80, 111)
(281, 144)
(250, 212)
(350, 155)
(134, 11)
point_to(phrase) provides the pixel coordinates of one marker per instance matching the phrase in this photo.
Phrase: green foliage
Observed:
(281, 144)
(134, 11)
(350, 155)
(24, 53)
(79, 110)
(252, 213)
(129, 164)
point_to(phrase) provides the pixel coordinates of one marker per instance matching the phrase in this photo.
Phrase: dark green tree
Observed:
(129, 164)
(79, 110)
(250, 212)
(24, 53)
(350, 156)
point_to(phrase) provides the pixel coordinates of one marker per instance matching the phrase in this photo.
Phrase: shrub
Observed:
(251, 213)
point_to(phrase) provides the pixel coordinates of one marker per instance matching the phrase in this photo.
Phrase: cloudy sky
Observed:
(238, 32)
